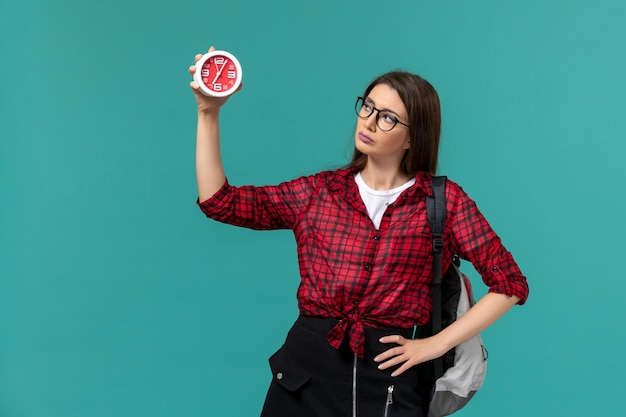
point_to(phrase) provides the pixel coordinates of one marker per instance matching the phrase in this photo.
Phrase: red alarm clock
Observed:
(218, 73)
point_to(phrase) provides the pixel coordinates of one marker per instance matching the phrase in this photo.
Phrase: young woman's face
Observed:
(375, 142)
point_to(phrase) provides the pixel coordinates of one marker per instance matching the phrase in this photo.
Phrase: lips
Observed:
(364, 138)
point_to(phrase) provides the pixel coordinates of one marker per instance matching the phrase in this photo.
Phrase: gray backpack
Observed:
(459, 373)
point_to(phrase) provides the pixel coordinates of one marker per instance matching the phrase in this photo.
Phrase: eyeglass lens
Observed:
(385, 120)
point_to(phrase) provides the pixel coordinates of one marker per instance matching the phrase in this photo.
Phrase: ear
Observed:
(407, 145)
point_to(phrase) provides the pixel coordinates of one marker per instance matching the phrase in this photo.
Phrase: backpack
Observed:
(459, 373)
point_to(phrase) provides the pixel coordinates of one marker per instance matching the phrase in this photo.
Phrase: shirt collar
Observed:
(343, 179)
(424, 182)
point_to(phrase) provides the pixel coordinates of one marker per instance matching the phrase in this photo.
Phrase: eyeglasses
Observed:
(385, 120)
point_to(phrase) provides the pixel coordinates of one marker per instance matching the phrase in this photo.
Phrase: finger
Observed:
(212, 48)
(401, 369)
(197, 57)
(192, 69)
(390, 353)
(393, 339)
(391, 362)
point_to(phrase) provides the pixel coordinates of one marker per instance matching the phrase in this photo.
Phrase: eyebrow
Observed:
(387, 110)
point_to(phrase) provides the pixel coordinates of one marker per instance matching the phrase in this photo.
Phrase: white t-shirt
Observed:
(376, 201)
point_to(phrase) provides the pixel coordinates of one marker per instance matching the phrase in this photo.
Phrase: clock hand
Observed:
(220, 71)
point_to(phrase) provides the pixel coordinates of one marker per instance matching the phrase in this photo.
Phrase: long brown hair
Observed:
(422, 104)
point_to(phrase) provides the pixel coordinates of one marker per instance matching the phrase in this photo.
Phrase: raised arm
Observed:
(210, 174)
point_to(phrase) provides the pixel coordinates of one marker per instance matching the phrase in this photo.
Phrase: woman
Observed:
(364, 250)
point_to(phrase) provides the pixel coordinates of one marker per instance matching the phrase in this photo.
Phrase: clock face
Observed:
(218, 73)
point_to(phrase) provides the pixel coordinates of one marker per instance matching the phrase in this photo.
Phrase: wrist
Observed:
(208, 112)
(443, 342)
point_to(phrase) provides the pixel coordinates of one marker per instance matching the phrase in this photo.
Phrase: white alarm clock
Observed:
(218, 73)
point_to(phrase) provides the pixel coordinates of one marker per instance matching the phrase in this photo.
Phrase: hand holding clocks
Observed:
(218, 73)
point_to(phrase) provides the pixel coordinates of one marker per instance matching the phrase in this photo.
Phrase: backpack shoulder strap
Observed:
(436, 209)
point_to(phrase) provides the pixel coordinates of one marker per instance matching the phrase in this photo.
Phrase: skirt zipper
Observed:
(354, 387)
(389, 400)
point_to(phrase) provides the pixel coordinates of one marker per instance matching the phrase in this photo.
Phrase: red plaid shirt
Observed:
(357, 274)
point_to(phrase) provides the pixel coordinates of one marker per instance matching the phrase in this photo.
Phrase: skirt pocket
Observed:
(286, 372)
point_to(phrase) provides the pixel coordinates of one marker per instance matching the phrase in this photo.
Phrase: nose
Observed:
(370, 122)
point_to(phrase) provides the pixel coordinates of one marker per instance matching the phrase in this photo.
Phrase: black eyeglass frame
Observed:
(358, 108)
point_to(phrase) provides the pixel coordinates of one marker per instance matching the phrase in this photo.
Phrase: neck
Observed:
(379, 177)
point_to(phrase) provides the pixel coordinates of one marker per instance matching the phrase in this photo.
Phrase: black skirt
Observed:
(313, 379)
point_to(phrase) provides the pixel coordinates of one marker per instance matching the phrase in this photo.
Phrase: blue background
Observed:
(118, 298)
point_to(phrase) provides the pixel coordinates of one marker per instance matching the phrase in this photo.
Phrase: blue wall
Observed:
(118, 298)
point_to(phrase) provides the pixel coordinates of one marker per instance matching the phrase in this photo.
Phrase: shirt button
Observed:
(279, 375)
(376, 237)
(367, 267)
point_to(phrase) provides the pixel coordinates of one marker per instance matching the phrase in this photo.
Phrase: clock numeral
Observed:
(219, 61)
(232, 74)
(217, 87)
(205, 72)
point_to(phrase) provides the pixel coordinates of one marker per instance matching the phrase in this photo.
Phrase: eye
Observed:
(367, 105)
(388, 118)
